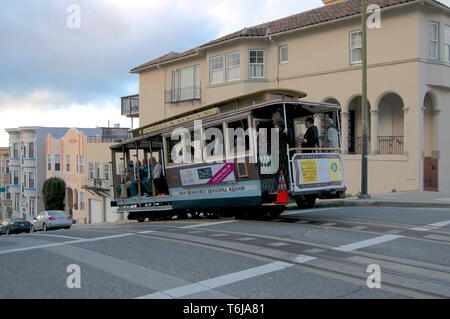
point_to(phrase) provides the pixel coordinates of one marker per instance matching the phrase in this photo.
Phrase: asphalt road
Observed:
(319, 253)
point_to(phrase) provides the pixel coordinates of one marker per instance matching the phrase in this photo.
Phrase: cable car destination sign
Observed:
(175, 122)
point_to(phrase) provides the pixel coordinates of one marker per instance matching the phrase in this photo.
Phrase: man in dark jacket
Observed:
(311, 137)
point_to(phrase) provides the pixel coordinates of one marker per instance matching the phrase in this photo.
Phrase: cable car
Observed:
(241, 157)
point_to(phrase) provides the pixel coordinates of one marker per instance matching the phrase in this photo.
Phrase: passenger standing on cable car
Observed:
(283, 145)
(311, 137)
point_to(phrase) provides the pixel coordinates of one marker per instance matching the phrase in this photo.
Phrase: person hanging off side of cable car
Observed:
(283, 145)
(311, 137)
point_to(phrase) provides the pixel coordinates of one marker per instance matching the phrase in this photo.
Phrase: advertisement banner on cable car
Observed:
(208, 175)
(317, 170)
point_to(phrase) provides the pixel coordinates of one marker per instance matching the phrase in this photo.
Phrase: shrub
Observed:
(53, 193)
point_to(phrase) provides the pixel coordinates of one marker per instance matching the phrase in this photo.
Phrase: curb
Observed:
(367, 203)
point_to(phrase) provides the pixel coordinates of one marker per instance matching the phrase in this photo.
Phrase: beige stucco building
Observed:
(319, 52)
(82, 159)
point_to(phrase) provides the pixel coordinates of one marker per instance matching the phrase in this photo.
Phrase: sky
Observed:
(56, 72)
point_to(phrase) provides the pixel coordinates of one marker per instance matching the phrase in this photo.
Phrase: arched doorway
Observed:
(69, 201)
(355, 128)
(430, 147)
(390, 125)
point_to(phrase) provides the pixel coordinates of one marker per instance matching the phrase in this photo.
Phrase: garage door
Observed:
(95, 211)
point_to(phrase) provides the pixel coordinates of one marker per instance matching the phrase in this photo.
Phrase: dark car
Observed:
(14, 225)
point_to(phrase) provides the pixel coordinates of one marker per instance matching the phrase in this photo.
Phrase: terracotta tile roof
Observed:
(320, 15)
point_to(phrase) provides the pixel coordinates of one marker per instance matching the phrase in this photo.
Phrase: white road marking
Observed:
(328, 224)
(146, 231)
(59, 236)
(299, 211)
(444, 199)
(278, 244)
(218, 281)
(367, 243)
(359, 227)
(80, 241)
(432, 226)
(301, 259)
(210, 224)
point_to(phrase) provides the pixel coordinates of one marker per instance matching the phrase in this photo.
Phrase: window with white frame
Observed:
(31, 150)
(81, 164)
(16, 150)
(78, 163)
(16, 202)
(67, 163)
(49, 162)
(91, 170)
(355, 47)
(256, 64)
(434, 41)
(284, 57)
(106, 172)
(97, 171)
(233, 63)
(81, 200)
(186, 84)
(15, 177)
(31, 204)
(216, 70)
(447, 44)
(31, 180)
(57, 162)
(24, 180)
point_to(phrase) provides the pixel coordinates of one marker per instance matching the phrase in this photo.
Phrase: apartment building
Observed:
(82, 159)
(27, 163)
(319, 52)
(5, 196)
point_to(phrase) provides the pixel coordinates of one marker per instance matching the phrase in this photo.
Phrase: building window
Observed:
(57, 163)
(106, 172)
(15, 177)
(256, 64)
(447, 43)
(186, 84)
(97, 171)
(216, 70)
(31, 150)
(49, 162)
(67, 163)
(31, 180)
(24, 180)
(233, 61)
(284, 54)
(81, 171)
(355, 47)
(81, 200)
(16, 202)
(91, 170)
(16, 150)
(31, 204)
(434, 41)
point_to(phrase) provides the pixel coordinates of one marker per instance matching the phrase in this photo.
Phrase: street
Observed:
(316, 253)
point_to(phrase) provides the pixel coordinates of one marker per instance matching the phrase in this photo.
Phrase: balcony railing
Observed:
(189, 93)
(391, 145)
(387, 145)
(130, 105)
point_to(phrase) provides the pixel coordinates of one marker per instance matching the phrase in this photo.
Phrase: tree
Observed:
(53, 193)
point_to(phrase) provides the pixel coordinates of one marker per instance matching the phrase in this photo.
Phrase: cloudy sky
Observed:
(53, 75)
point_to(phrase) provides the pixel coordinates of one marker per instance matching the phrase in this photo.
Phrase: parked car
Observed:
(51, 219)
(14, 225)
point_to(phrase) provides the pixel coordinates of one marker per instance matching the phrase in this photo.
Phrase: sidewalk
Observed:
(399, 199)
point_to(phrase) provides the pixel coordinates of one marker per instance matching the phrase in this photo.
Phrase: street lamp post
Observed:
(364, 102)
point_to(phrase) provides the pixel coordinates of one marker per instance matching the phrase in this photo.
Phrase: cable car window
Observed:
(238, 136)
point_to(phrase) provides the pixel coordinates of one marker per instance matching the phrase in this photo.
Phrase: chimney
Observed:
(327, 2)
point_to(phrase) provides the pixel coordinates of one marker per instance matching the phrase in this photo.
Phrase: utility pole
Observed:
(364, 102)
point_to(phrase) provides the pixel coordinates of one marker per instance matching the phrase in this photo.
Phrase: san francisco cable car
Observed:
(220, 172)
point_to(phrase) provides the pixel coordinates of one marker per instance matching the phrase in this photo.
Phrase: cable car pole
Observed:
(364, 102)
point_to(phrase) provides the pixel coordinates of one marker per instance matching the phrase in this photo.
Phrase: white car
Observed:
(51, 219)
